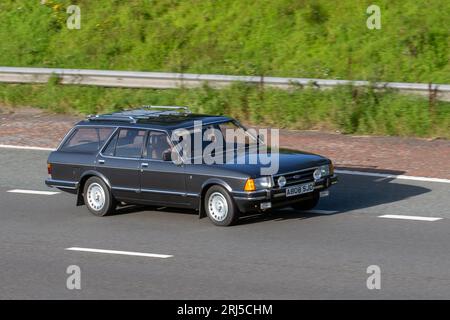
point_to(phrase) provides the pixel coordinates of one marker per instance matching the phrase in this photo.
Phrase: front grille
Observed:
(297, 177)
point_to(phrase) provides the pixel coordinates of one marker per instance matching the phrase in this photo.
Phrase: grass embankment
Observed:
(291, 38)
(347, 109)
(304, 38)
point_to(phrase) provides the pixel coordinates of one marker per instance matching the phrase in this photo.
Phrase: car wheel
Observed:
(220, 207)
(307, 204)
(98, 198)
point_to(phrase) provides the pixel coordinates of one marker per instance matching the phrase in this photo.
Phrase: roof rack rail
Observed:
(185, 109)
(110, 117)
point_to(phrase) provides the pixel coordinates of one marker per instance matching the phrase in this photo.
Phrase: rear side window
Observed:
(126, 143)
(87, 140)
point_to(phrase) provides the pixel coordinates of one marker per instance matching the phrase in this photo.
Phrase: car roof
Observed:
(162, 120)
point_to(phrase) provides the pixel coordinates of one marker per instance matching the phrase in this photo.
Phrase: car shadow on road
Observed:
(132, 208)
(353, 192)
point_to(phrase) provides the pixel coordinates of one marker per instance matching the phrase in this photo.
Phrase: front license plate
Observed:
(299, 189)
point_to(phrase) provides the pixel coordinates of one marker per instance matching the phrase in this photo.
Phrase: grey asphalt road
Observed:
(283, 255)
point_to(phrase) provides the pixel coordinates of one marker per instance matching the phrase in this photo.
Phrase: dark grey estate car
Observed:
(131, 157)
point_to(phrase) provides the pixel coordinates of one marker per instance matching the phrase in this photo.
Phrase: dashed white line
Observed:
(392, 176)
(127, 253)
(47, 193)
(417, 218)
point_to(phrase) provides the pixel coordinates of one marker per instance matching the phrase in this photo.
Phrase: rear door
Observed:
(120, 162)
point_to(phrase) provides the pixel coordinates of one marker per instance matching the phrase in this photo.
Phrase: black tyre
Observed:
(307, 204)
(98, 197)
(220, 207)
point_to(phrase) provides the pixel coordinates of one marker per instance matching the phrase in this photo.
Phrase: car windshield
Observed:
(216, 138)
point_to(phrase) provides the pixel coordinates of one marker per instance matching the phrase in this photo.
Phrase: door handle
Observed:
(101, 161)
(144, 165)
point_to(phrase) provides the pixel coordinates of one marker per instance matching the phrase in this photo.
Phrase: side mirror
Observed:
(167, 155)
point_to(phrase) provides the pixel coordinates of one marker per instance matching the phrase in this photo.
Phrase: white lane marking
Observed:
(47, 193)
(127, 253)
(25, 147)
(322, 211)
(394, 216)
(392, 176)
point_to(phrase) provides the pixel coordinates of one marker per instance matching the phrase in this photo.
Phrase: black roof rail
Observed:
(132, 116)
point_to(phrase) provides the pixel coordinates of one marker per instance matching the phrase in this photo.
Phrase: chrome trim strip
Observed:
(126, 189)
(256, 198)
(292, 172)
(184, 194)
(64, 187)
(250, 192)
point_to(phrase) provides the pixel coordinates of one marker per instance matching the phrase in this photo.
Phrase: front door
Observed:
(162, 182)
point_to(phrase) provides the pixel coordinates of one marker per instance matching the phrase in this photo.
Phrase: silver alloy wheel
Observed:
(218, 206)
(96, 196)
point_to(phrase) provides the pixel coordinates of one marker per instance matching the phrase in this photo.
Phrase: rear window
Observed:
(87, 140)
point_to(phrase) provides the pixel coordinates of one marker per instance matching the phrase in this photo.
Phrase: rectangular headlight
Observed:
(325, 170)
(263, 183)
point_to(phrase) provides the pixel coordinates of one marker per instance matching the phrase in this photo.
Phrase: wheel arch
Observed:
(84, 177)
(205, 186)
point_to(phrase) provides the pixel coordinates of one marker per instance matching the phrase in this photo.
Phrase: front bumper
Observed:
(251, 201)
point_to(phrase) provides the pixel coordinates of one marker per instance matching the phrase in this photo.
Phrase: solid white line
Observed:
(47, 193)
(393, 176)
(394, 216)
(127, 253)
(25, 147)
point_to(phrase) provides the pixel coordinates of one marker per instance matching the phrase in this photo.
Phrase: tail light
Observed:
(49, 169)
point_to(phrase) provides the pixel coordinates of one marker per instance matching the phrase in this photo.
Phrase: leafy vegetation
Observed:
(292, 38)
(346, 109)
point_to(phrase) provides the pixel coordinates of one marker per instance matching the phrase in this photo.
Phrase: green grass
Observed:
(347, 109)
(298, 38)
(292, 38)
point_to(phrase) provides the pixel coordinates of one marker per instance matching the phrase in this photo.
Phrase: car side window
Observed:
(87, 140)
(111, 147)
(127, 143)
(157, 144)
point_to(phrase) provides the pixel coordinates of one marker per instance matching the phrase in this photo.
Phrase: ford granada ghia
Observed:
(151, 156)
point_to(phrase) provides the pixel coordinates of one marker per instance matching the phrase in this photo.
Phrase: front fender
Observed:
(205, 185)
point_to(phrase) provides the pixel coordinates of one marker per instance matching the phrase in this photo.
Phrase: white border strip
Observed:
(127, 253)
(46, 193)
(25, 147)
(393, 176)
(394, 216)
